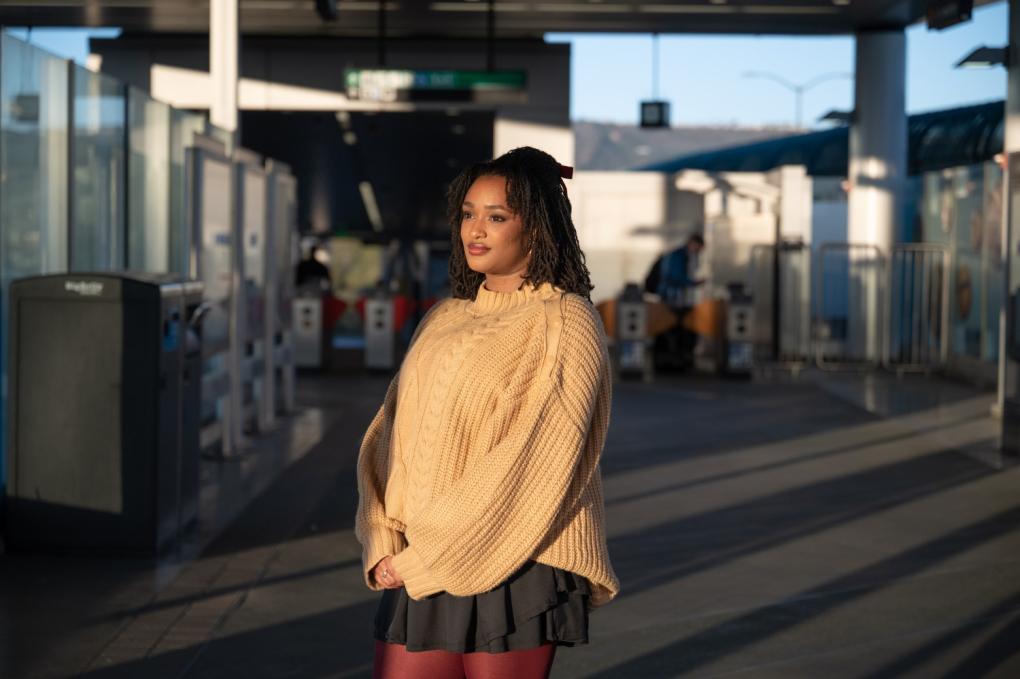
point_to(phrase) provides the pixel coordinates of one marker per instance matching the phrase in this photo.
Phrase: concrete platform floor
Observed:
(782, 528)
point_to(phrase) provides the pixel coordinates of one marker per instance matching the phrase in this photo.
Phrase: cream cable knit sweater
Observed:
(485, 452)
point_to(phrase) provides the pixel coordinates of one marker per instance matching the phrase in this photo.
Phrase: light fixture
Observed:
(371, 205)
(985, 57)
(713, 8)
(942, 14)
(478, 7)
(837, 116)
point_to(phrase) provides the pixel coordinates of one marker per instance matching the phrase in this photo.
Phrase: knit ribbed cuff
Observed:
(379, 542)
(418, 581)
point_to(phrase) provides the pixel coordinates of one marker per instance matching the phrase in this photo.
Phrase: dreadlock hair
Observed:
(536, 192)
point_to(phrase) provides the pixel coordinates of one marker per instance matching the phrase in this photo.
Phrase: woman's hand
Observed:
(385, 575)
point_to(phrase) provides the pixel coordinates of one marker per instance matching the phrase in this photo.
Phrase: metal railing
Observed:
(918, 308)
(791, 344)
(848, 323)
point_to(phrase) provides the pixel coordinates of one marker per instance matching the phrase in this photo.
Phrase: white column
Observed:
(223, 73)
(224, 41)
(877, 173)
(878, 139)
(795, 205)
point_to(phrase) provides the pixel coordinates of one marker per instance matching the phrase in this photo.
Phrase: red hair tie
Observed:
(566, 172)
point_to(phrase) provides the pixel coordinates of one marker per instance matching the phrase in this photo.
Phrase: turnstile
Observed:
(380, 336)
(632, 344)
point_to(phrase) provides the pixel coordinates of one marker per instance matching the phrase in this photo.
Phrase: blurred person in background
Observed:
(670, 278)
(670, 275)
(311, 272)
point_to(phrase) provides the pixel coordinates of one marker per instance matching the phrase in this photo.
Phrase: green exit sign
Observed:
(402, 85)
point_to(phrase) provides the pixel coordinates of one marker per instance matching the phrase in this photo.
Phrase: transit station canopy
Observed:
(937, 140)
(469, 18)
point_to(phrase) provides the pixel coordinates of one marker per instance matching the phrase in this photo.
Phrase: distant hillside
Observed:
(607, 146)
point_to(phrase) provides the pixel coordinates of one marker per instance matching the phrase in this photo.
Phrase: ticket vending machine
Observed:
(103, 414)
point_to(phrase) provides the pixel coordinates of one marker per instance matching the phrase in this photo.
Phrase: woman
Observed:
(480, 508)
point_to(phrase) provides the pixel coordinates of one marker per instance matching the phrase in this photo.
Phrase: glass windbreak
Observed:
(254, 249)
(33, 155)
(33, 175)
(961, 209)
(216, 254)
(967, 280)
(183, 128)
(993, 268)
(97, 152)
(1012, 386)
(284, 242)
(148, 183)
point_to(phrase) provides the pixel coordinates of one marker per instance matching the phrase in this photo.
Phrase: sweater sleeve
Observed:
(507, 501)
(379, 535)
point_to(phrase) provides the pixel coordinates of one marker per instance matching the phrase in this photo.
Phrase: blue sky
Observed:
(611, 74)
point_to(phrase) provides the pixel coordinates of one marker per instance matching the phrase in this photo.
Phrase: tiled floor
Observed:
(759, 529)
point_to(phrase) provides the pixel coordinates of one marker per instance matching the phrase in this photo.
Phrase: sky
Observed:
(610, 74)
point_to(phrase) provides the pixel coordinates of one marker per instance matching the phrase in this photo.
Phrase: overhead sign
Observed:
(655, 113)
(393, 85)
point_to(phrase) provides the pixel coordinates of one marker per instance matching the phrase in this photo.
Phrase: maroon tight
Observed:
(394, 661)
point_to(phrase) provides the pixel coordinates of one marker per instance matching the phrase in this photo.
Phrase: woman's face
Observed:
(487, 220)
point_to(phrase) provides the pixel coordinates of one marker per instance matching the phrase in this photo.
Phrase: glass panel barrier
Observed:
(148, 183)
(33, 176)
(961, 209)
(98, 185)
(993, 269)
(184, 126)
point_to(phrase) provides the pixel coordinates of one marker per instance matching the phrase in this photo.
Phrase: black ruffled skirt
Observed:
(535, 605)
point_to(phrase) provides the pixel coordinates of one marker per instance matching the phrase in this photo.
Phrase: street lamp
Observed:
(798, 89)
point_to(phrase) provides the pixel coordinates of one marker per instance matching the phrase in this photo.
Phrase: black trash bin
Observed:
(102, 447)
